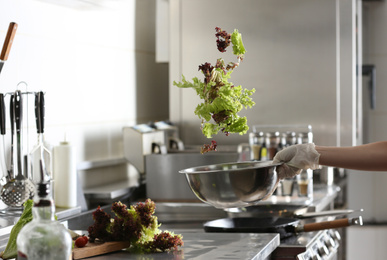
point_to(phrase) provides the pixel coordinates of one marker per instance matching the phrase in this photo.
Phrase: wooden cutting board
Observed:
(99, 248)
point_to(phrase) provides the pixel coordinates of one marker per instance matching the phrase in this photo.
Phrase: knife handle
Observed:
(2, 114)
(39, 112)
(11, 113)
(8, 41)
(18, 110)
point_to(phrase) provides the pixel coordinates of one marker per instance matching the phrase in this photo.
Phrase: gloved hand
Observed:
(296, 158)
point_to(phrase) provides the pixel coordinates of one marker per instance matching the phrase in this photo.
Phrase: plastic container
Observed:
(65, 175)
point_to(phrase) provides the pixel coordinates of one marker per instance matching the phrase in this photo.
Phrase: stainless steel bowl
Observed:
(232, 185)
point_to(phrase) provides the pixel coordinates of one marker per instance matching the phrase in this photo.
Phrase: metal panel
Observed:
(164, 182)
(291, 61)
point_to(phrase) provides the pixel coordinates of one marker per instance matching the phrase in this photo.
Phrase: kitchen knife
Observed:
(7, 44)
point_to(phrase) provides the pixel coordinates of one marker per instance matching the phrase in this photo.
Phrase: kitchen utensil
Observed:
(40, 152)
(280, 210)
(233, 185)
(7, 43)
(5, 191)
(325, 213)
(286, 227)
(11, 172)
(20, 189)
(2, 132)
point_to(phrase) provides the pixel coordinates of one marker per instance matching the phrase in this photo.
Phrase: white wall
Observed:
(96, 64)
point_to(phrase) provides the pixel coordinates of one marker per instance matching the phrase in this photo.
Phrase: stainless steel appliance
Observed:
(318, 245)
(326, 244)
(156, 151)
(141, 140)
(165, 183)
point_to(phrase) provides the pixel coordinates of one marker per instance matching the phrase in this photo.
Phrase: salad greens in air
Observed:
(222, 100)
(136, 224)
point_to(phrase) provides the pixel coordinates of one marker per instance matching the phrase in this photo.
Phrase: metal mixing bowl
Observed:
(232, 185)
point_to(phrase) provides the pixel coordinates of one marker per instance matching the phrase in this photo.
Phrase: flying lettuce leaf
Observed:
(237, 44)
(222, 100)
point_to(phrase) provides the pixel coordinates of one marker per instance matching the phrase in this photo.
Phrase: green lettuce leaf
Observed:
(237, 44)
(11, 248)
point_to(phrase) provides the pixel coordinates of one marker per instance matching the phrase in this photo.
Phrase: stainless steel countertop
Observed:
(8, 218)
(201, 245)
(187, 219)
(197, 243)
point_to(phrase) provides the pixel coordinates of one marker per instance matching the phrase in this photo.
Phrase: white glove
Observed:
(296, 158)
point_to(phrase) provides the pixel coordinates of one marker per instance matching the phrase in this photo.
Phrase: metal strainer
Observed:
(20, 189)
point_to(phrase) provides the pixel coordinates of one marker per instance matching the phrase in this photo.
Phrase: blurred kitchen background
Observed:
(109, 64)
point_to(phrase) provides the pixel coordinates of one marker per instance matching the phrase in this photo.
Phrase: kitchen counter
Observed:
(188, 219)
(8, 218)
(201, 245)
(197, 243)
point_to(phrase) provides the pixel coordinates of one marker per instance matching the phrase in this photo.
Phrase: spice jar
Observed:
(256, 141)
(305, 183)
(304, 138)
(273, 141)
(287, 186)
(288, 139)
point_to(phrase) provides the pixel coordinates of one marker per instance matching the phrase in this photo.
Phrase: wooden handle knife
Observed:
(8, 41)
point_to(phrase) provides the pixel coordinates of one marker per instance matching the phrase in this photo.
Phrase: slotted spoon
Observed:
(20, 189)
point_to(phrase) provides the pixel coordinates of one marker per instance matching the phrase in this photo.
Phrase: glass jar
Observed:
(287, 186)
(288, 139)
(44, 238)
(256, 141)
(273, 141)
(304, 138)
(305, 183)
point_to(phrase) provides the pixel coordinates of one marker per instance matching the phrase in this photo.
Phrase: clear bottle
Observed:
(44, 238)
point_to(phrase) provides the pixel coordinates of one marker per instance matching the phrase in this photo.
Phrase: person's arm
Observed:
(367, 157)
(371, 157)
